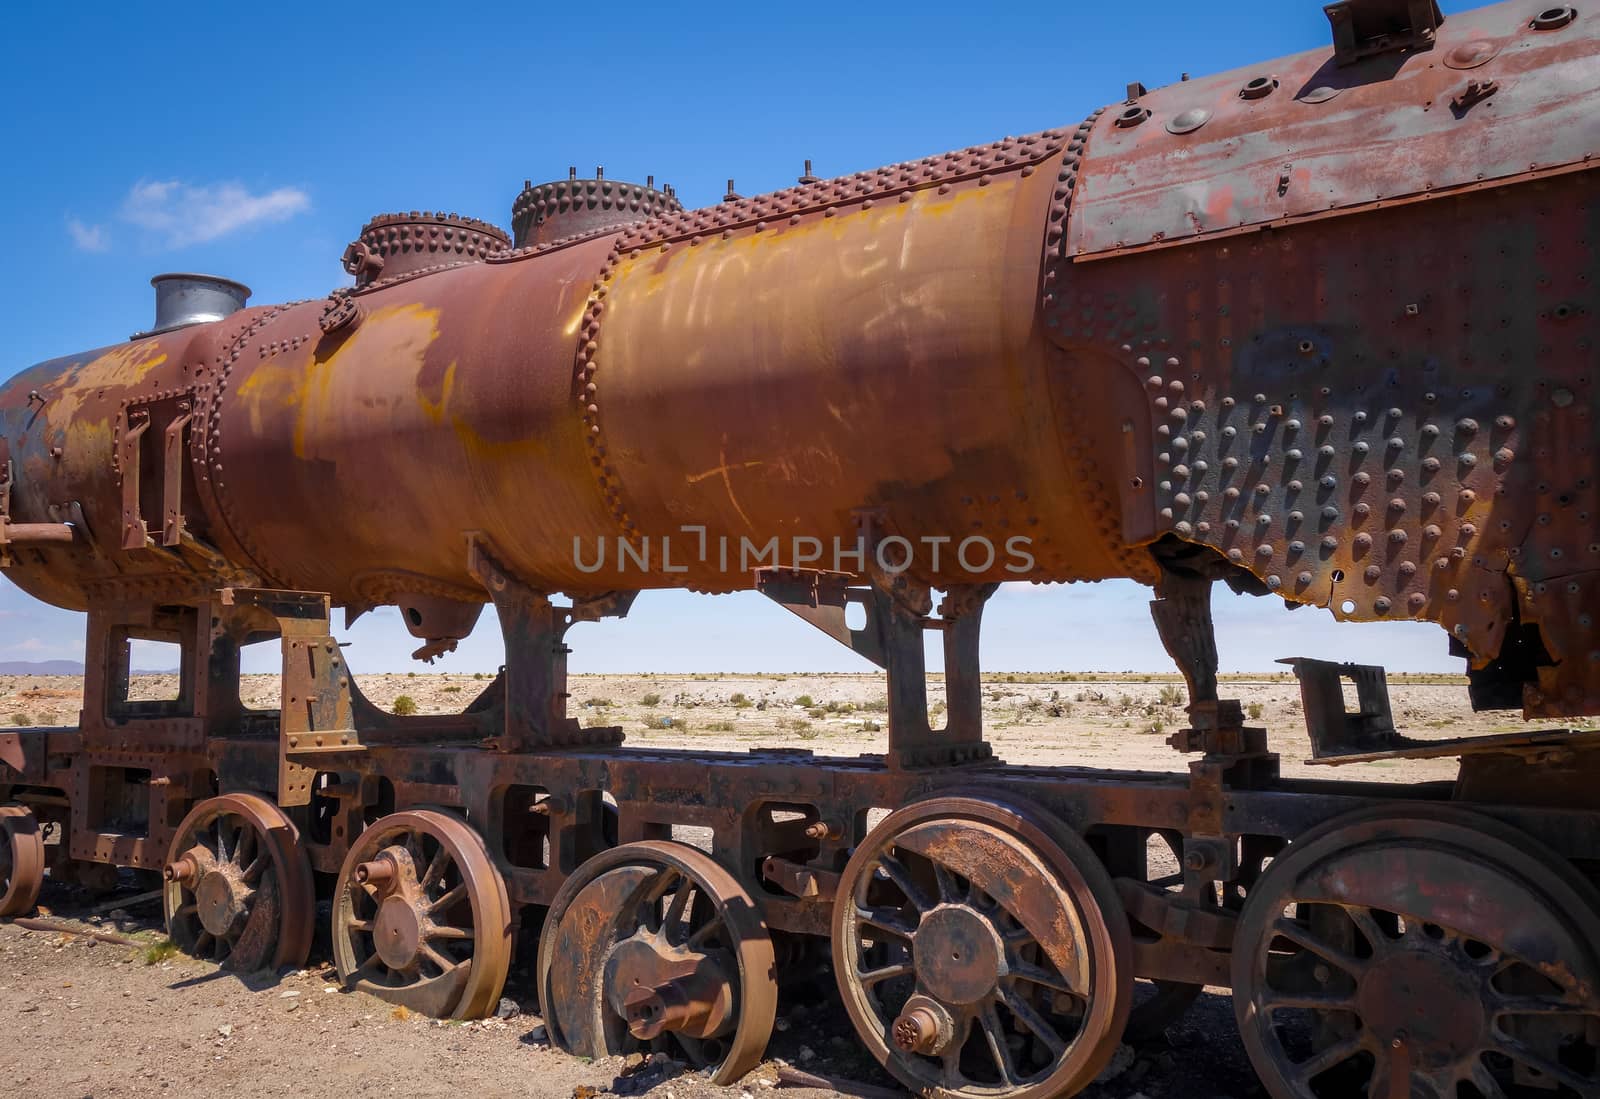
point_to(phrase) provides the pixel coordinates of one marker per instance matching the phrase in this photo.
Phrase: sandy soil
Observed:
(96, 1019)
(1084, 720)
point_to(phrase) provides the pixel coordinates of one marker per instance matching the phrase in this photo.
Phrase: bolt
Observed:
(1195, 860)
(916, 1031)
(824, 830)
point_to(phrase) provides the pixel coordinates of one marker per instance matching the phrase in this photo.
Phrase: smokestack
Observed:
(183, 299)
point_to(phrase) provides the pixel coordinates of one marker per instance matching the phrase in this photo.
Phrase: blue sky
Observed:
(253, 142)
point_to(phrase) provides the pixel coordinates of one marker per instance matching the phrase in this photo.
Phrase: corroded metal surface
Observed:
(21, 860)
(1322, 329)
(958, 909)
(421, 917)
(238, 885)
(1365, 919)
(654, 945)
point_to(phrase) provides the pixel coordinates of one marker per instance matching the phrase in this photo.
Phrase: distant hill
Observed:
(41, 667)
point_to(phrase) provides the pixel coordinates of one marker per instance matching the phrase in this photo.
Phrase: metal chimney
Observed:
(184, 299)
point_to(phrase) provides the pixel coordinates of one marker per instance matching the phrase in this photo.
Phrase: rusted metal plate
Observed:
(1304, 136)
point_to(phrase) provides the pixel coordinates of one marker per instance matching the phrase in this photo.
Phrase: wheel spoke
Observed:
(1030, 1018)
(1303, 936)
(886, 919)
(244, 845)
(885, 973)
(1272, 1000)
(359, 925)
(1564, 1004)
(1042, 977)
(705, 933)
(186, 910)
(1581, 1083)
(1325, 1059)
(676, 907)
(448, 900)
(427, 951)
(1481, 1078)
(902, 879)
(949, 889)
(1362, 917)
(253, 872)
(995, 1038)
(446, 931)
(950, 1059)
(436, 868)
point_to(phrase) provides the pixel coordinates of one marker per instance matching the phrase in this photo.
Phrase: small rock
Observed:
(508, 1009)
(806, 1054)
(294, 1005)
(291, 994)
(29, 1007)
(538, 1034)
(119, 913)
(226, 1030)
(780, 1025)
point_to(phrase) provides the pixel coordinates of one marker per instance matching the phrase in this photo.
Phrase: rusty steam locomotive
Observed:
(1323, 329)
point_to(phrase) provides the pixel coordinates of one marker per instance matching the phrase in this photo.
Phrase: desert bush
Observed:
(659, 721)
(651, 699)
(739, 699)
(806, 701)
(1254, 710)
(405, 706)
(721, 727)
(21, 719)
(1172, 695)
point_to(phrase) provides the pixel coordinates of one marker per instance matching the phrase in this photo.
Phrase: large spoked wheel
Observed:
(652, 945)
(421, 917)
(981, 950)
(21, 860)
(1432, 953)
(238, 885)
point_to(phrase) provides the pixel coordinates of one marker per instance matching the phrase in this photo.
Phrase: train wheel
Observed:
(981, 950)
(21, 860)
(238, 885)
(653, 945)
(1432, 953)
(421, 917)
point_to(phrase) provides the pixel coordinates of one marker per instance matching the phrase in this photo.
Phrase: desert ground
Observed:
(87, 1017)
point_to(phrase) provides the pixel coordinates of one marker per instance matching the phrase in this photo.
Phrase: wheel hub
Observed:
(959, 955)
(222, 901)
(657, 989)
(1402, 998)
(397, 932)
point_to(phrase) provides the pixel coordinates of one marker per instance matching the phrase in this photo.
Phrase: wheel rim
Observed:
(980, 949)
(21, 860)
(238, 885)
(653, 945)
(1441, 948)
(421, 917)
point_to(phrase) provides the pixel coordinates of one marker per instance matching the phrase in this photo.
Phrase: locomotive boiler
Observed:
(1322, 329)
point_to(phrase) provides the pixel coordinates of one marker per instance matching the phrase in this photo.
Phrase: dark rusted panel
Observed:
(1278, 147)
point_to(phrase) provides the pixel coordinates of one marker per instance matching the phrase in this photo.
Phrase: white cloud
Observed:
(180, 214)
(88, 238)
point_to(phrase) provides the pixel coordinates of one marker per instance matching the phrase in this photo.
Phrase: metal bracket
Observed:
(1365, 28)
(822, 599)
(316, 711)
(799, 880)
(1334, 731)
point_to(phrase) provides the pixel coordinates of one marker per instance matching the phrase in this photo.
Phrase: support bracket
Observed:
(535, 673)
